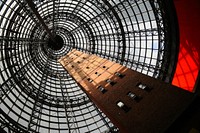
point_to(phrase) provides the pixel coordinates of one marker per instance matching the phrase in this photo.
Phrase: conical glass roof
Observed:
(37, 94)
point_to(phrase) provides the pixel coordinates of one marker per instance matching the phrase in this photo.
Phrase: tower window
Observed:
(134, 96)
(103, 90)
(124, 107)
(119, 75)
(143, 87)
(111, 82)
(98, 74)
(90, 80)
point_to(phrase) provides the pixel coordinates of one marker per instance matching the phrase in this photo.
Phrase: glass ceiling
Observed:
(37, 94)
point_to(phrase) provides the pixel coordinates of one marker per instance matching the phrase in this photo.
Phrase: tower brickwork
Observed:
(134, 102)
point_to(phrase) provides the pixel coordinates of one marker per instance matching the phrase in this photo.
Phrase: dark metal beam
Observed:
(53, 17)
(32, 7)
(116, 15)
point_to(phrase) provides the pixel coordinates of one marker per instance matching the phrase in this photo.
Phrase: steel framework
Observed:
(37, 94)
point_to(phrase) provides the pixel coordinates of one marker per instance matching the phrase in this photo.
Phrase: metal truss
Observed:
(37, 94)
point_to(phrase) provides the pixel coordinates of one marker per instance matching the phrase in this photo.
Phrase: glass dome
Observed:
(37, 94)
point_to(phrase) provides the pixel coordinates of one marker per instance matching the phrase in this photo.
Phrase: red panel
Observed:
(188, 60)
(186, 71)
